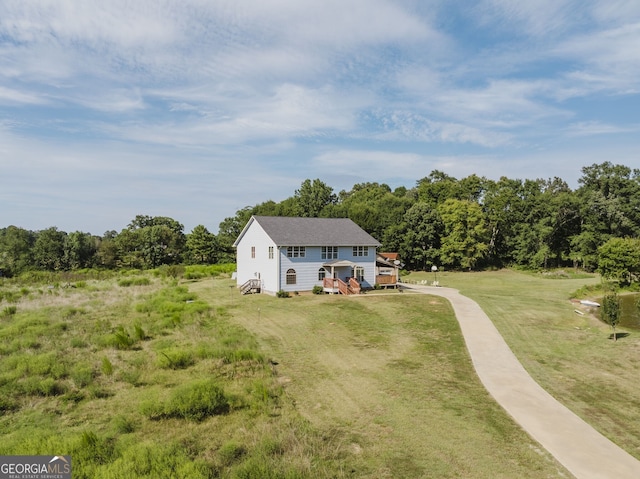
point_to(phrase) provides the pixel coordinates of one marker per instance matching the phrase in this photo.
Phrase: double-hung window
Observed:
(296, 252)
(329, 252)
(360, 251)
(270, 252)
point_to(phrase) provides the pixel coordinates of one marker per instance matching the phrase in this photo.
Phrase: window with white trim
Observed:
(329, 252)
(359, 273)
(270, 252)
(253, 251)
(291, 276)
(360, 251)
(296, 251)
(322, 274)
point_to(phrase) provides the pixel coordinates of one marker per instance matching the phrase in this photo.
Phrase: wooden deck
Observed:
(387, 280)
(337, 286)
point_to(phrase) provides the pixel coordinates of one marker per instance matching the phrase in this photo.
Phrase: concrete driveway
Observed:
(580, 448)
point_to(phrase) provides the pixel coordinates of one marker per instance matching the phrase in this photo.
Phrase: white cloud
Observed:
(591, 128)
(537, 19)
(146, 101)
(11, 96)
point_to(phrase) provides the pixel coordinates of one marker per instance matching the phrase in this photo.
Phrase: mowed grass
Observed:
(386, 379)
(572, 356)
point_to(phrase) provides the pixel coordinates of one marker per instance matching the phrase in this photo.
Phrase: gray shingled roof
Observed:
(287, 231)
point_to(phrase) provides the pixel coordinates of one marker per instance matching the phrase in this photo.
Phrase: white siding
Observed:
(261, 266)
(307, 268)
(273, 271)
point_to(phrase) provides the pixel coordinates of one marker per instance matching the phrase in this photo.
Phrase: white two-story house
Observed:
(277, 253)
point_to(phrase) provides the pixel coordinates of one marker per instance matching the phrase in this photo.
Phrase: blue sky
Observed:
(194, 109)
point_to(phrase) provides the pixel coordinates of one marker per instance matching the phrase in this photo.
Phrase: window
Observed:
(329, 252)
(359, 273)
(296, 252)
(291, 276)
(322, 273)
(360, 251)
(270, 252)
(253, 251)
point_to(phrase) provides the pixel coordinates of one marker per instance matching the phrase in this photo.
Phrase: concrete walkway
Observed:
(577, 446)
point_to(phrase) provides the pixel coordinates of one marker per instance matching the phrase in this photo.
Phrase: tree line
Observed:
(467, 223)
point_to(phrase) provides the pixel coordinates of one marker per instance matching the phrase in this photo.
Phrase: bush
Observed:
(175, 359)
(317, 289)
(283, 294)
(82, 375)
(107, 367)
(194, 401)
(120, 339)
(9, 311)
(138, 281)
(230, 452)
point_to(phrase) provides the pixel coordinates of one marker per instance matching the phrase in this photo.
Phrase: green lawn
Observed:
(570, 355)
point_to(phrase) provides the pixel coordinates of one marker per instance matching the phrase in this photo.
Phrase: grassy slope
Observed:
(373, 386)
(571, 356)
(389, 379)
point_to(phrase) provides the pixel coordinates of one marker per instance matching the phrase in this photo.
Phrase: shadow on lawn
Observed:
(619, 335)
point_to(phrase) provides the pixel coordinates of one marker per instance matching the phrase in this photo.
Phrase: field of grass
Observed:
(140, 375)
(388, 378)
(572, 356)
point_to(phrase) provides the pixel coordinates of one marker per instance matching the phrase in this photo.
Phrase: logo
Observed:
(35, 467)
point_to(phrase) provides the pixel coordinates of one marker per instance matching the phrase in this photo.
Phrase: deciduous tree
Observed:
(465, 234)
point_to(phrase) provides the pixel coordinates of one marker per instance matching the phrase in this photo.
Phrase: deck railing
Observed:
(384, 279)
(333, 284)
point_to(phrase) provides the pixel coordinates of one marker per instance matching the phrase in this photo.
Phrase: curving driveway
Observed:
(580, 448)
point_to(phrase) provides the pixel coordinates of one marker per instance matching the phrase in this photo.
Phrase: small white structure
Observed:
(277, 253)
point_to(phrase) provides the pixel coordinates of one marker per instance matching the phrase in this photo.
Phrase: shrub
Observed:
(175, 359)
(120, 339)
(7, 405)
(123, 425)
(194, 401)
(82, 375)
(283, 294)
(317, 289)
(9, 311)
(107, 367)
(139, 333)
(77, 343)
(230, 452)
(137, 281)
(35, 386)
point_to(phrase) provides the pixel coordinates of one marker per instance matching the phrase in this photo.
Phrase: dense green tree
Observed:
(465, 234)
(229, 230)
(619, 259)
(313, 197)
(438, 187)
(373, 207)
(79, 250)
(201, 246)
(48, 249)
(151, 241)
(15, 250)
(503, 205)
(609, 196)
(420, 237)
(107, 252)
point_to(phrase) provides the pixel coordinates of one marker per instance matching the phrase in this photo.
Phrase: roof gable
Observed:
(295, 231)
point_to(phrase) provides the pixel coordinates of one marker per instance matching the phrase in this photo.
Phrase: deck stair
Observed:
(250, 287)
(336, 285)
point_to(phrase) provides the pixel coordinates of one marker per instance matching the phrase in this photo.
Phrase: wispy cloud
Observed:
(241, 101)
